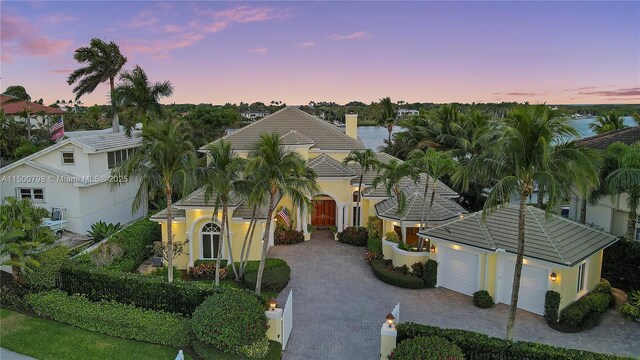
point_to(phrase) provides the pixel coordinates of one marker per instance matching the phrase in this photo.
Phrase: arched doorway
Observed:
(324, 212)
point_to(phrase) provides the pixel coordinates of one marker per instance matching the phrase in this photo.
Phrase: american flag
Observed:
(57, 129)
(284, 216)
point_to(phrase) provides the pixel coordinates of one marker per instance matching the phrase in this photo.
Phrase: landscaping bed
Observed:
(582, 314)
(420, 275)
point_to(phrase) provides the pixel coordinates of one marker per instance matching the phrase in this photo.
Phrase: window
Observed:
(210, 241)
(37, 195)
(355, 196)
(356, 216)
(581, 277)
(638, 228)
(67, 158)
(116, 157)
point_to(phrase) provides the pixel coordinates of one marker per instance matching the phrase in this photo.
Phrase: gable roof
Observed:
(602, 141)
(554, 239)
(326, 166)
(13, 108)
(443, 209)
(325, 136)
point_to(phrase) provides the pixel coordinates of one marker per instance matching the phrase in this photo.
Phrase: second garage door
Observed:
(533, 286)
(458, 270)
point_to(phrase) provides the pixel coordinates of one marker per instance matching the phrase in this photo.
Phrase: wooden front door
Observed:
(324, 213)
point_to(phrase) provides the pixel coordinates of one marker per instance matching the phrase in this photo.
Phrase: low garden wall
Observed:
(402, 257)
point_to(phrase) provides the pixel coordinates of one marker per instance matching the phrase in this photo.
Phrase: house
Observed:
(407, 112)
(610, 213)
(39, 114)
(254, 115)
(73, 175)
(560, 255)
(325, 146)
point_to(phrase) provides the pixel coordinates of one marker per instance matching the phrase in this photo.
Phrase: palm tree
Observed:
(366, 160)
(21, 234)
(104, 62)
(390, 175)
(435, 165)
(388, 117)
(18, 93)
(136, 91)
(223, 172)
(165, 164)
(279, 171)
(522, 157)
(608, 122)
(255, 197)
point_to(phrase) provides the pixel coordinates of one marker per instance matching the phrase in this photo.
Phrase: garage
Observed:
(458, 270)
(533, 286)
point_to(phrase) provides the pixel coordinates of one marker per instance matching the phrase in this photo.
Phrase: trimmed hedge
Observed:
(374, 245)
(551, 306)
(354, 235)
(44, 276)
(426, 348)
(479, 346)
(207, 352)
(273, 279)
(430, 275)
(585, 312)
(395, 278)
(112, 318)
(482, 299)
(621, 265)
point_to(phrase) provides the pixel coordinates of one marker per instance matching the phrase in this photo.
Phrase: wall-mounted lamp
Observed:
(460, 215)
(272, 304)
(432, 248)
(390, 319)
(554, 276)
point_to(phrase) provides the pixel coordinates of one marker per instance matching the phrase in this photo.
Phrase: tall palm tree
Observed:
(254, 194)
(390, 175)
(222, 174)
(388, 117)
(136, 91)
(608, 122)
(21, 234)
(103, 62)
(366, 160)
(523, 156)
(279, 171)
(17, 93)
(165, 164)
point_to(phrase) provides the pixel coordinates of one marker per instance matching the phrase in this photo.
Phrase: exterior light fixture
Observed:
(432, 248)
(272, 304)
(554, 276)
(460, 215)
(390, 319)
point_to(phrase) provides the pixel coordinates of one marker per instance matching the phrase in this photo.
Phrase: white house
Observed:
(74, 175)
(407, 112)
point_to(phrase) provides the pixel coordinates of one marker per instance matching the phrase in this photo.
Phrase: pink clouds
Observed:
(62, 71)
(306, 44)
(143, 19)
(19, 37)
(241, 15)
(613, 93)
(359, 35)
(171, 28)
(58, 19)
(159, 48)
(260, 50)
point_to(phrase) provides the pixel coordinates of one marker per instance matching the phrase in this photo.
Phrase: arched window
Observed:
(210, 237)
(355, 196)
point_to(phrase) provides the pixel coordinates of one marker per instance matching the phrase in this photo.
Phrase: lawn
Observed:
(46, 339)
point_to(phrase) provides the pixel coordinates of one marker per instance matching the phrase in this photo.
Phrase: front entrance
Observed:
(324, 213)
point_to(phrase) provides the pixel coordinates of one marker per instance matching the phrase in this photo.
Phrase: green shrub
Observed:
(354, 235)
(379, 268)
(585, 312)
(392, 236)
(223, 263)
(426, 348)
(374, 245)
(12, 297)
(230, 321)
(111, 318)
(269, 263)
(374, 227)
(207, 352)
(44, 276)
(288, 237)
(480, 346)
(551, 306)
(603, 287)
(631, 309)
(102, 230)
(273, 279)
(207, 271)
(482, 299)
(430, 276)
(621, 265)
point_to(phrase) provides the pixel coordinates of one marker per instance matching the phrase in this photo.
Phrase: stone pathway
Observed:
(339, 307)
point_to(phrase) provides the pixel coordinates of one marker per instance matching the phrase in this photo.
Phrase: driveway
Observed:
(339, 307)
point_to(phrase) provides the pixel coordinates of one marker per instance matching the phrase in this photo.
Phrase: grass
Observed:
(46, 339)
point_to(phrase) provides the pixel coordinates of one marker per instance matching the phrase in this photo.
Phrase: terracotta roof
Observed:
(602, 141)
(554, 239)
(11, 108)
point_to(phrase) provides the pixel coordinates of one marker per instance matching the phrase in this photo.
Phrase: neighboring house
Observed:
(560, 255)
(40, 115)
(611, 213)
(73, 175)
(254, 115)
(324, 146)
(407, 112)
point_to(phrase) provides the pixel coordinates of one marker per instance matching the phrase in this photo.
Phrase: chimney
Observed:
(351, 124)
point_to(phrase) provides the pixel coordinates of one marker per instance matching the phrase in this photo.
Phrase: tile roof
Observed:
(11, 108)
(324, 135)
(109, 141)
(602, 141)
(370, 175)
(326, 166)
(197, 199)
(442, 189)
(162, 215)
(443, 208)
(554, 239)
(295, 137)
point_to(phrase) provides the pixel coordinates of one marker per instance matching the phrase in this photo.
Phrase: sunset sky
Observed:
(218, 52)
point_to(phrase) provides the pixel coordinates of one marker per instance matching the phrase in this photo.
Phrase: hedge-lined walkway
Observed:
(339, 306)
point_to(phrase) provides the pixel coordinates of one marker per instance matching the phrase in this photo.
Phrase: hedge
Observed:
(288, 237)
(551, 306)
(430, 275)
(354, 235)
(112, 318)
(273, 279)
(208, 352)
(374, 244)
(426, 348)
(482, 299)
(585, 312)
(480, 346)
(621, 265)
(395, 278)
(44, 276)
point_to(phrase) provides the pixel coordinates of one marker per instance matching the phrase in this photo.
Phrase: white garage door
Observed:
(458, 270)
(533, 286)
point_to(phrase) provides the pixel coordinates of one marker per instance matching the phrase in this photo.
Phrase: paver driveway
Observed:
(339, 306)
